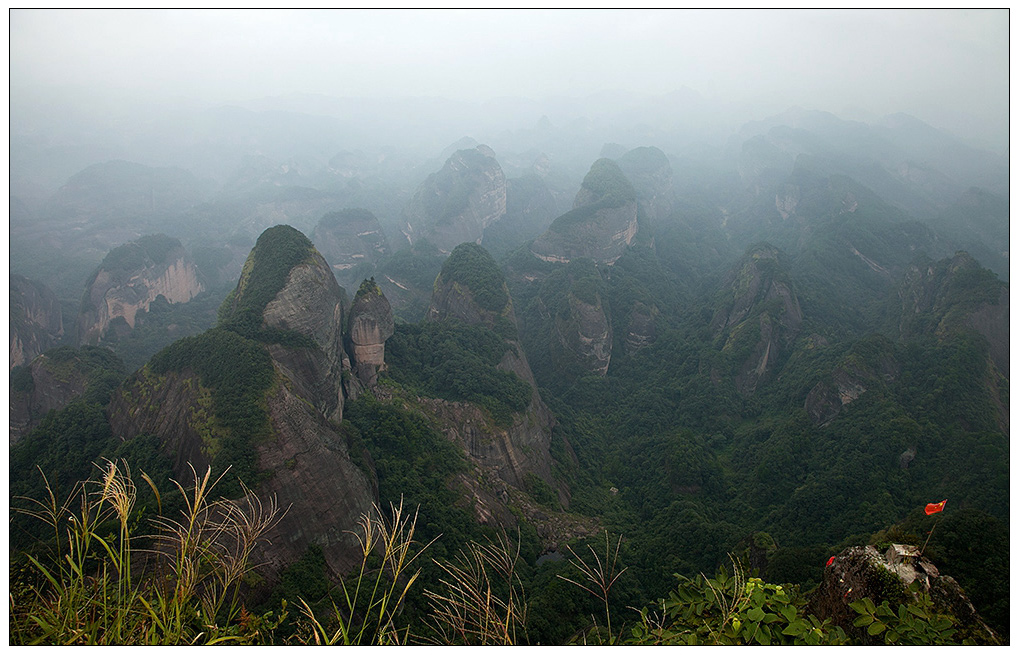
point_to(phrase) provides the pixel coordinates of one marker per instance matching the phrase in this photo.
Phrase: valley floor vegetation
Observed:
(110, 570)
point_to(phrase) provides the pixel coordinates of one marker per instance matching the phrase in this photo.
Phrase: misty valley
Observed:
(306, 378)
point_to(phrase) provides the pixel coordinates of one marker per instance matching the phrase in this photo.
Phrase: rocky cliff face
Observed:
(471, 289)
(350, 238)
(56, 378)
(306, 461)
(851, 378)
(601, 224)
(289, 300)
(956, 293)
(36, 322)
(371, 323)
(129, 279)
(650, 173)
(459, 202)
(173, 407)
(312, 473)
(864, 572)
(301, 297)
(759, 317)
(641, 330)
(585, 335)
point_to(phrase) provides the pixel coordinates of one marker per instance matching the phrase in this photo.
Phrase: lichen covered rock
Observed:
(864, 572)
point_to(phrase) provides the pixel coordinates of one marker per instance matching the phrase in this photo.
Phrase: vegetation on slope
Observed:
(277, 251)
(145, 252)
(473, 267)
(608, 185)
(457, 362)
(239, 372)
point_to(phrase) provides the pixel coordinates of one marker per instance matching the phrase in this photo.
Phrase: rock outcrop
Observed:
(371, 324)
(600, 226)
(290, 434)
(56, 378)
(941, 297)
(305, 462)
(472, 290)
(36, 322)
(851, 378)
(585, 334)
(573, 323)
(653, 179)
(175, 407)
(311, 472)
(759, 316)
(288, 288)
(129, 279)
(459, 202)
(641, 330)
(864, 572)
(350, 238)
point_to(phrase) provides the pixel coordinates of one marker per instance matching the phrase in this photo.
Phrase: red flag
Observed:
(932, 508)
(830, 561)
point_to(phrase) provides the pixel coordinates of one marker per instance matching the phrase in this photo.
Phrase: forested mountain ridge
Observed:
(788, 356)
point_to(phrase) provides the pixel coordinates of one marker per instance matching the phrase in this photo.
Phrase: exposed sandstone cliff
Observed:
(459, 202)
(653, 179)
(602, 223)
(471, 289)
(287, 304)
(287, 296)
(311, 473)
(641, 330)
(371, 324)
(311, 304)
(585, 335)
(759, 316)
(130, 278)
(306, 461)
(36, 322)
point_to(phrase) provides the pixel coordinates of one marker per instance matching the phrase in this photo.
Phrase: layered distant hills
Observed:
(802, 332)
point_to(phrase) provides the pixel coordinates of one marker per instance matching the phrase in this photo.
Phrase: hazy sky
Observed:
(942, 66)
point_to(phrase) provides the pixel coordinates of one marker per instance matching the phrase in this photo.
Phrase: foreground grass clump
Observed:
(99, 583)
(95, 581)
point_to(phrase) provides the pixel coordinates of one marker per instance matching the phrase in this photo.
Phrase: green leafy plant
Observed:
(731, 610)
(913, 624)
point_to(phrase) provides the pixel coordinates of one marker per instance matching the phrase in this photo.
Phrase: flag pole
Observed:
(930, 509)
(929, 537)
